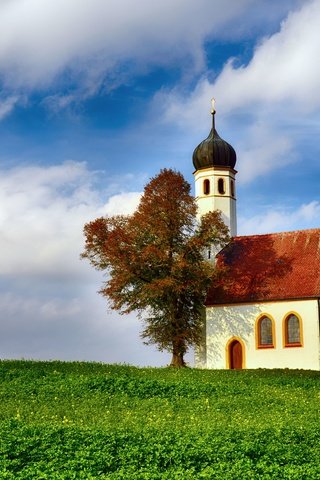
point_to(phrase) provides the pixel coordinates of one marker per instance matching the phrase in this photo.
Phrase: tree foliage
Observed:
(155, 262)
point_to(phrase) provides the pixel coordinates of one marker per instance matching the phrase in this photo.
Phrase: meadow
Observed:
(95, 421)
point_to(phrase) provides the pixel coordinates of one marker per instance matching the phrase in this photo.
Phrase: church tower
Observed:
(214, 161)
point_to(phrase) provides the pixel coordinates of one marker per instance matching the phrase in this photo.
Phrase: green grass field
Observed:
(94, 421)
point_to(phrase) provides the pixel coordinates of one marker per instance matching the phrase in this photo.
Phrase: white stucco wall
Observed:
(226, 202)
(225, 322)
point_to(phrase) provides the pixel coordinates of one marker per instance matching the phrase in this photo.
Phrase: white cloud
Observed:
(190, 110)
(42, 40)
(284, 68)
(263, 150)
(122, 204)
(310, 211)
(48, 297)
(259, 105)
(279, 219)
(7, 105)
(42, 213)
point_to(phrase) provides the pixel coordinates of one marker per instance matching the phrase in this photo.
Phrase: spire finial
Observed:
(213, 111)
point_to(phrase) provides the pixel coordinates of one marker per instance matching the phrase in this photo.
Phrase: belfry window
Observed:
(221, 187)
(265, 333)
(206, 186)
(232, 188)
(292, 331)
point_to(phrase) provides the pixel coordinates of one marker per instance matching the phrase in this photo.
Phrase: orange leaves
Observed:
(154, 259)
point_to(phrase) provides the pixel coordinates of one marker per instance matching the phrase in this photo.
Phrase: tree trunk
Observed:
(177, 361)
(178, 351)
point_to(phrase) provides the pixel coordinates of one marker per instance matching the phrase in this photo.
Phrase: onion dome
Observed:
(214, 151)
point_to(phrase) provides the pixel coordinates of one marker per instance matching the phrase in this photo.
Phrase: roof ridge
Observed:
(289, 232)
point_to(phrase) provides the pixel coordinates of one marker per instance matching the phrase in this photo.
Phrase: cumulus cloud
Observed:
(48, 297)
(42, 210)
(122, 204)
(283, 69)
(259, 104)
(279, 219)
(41, 38)
(42, 213)
(92, 44)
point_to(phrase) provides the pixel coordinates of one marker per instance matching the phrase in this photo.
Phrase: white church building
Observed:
(265, 313)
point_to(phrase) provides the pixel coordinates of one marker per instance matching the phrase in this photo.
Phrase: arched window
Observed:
(232, 188)
(265, 332)
(292, 331)
(206, 186)
(221, 188)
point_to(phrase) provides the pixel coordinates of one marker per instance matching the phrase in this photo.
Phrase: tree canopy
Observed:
(155, 262)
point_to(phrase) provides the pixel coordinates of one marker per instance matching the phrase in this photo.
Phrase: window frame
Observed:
(263, 346)
(285, 332)
(232, 191)
(221, 182)
(206, 186)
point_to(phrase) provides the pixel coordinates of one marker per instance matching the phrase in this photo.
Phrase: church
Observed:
(265, 312)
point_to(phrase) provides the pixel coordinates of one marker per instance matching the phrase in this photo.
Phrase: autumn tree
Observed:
(155, 263)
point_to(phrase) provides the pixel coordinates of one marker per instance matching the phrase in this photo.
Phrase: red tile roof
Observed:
(276, 266)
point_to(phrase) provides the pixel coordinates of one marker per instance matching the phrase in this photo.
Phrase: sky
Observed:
(96, 96)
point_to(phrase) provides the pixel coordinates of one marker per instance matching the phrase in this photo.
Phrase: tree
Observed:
(155, 263)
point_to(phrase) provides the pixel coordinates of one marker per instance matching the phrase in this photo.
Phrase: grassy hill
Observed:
(93, 421)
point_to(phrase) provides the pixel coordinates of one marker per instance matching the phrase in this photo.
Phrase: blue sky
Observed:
(95, 98)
